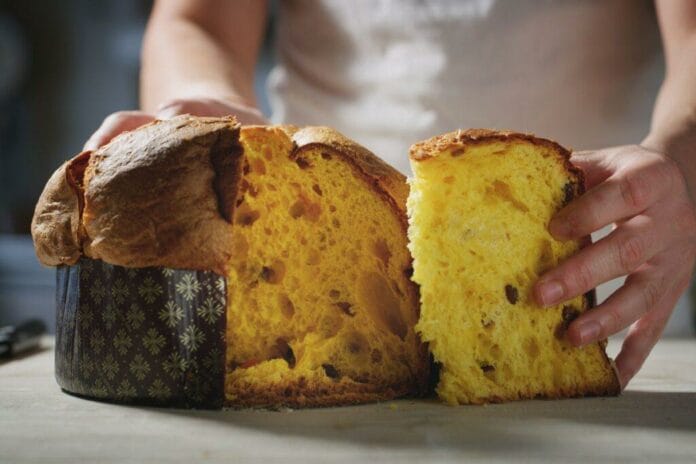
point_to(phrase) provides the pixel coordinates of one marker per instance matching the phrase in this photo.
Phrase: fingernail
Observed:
(551, 292)
(588, 331)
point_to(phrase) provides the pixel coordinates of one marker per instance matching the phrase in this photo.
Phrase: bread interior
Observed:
(478, 231)
(318, 294)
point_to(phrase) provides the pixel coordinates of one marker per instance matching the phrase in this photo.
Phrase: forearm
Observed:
(191, 55)
(673, 128)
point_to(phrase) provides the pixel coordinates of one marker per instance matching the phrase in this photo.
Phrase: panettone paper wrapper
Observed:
(153, 336)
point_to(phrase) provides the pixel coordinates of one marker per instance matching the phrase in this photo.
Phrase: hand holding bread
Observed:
(645, 195)
(122, 121)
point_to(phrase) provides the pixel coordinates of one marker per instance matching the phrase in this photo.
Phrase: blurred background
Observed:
(64, 66)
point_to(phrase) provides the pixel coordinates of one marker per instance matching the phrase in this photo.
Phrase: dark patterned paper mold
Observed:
(147, 336)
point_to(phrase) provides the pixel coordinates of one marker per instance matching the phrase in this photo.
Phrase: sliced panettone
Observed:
(321, 309)
(479, 207)
(308, 230)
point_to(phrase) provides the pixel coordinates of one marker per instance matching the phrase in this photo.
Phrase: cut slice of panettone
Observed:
(295, 238)
(479, 207)
(321, 309)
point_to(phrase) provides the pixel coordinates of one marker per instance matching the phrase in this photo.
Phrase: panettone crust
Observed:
(114, 201)
(456, 142)
(149, 199)
(312, 395)
(386, 180)
(56, 226)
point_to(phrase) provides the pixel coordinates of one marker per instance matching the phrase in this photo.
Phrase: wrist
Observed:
(679, 146)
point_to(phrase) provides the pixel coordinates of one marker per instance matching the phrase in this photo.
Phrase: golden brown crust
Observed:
(435, 146)
(378, 173)
(560, 393)
(147, 193)
(456, 143)
(150, 198)
(55, 226)
(306, 394)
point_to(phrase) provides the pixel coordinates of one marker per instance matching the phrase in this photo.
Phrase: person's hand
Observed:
(114, 124)
(123, 121)
(245, 114)
(644, 194)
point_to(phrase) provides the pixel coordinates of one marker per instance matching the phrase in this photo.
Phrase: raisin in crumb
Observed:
(485, 367)
(568, 315)
(345, 307)
(267, 273)
(303, 163)
(330, 371)
(285, 351)
(290, 358)
(568, 193)
(511, 294)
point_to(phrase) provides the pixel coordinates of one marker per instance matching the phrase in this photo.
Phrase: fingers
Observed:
(640, 294)
(642, 181)
(194, 107)
(643, 194)
(634, 242)
(643, 335)
(115, 124)
(251, 116)
(211, 107)
(646, 300)
(122, 121)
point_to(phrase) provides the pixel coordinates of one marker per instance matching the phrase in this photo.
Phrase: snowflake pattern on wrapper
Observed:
(149, 290)
(188, 287)
(171, 314)
(210, 310)
(149, 336)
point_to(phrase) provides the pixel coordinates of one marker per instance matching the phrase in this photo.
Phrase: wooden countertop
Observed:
(654, 421)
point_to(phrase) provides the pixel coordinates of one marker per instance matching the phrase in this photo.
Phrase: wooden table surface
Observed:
(654, 421)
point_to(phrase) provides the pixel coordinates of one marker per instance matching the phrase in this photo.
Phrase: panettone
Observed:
(321, 308)
(202, 264)
(479, 207)
(296, 236)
